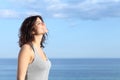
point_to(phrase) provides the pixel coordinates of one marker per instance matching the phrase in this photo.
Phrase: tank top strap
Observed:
(32, 47)
(34, 50)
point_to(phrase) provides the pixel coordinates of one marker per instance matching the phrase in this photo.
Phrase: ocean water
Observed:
(70, 69)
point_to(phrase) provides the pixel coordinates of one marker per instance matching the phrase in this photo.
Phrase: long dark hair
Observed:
(26, 29)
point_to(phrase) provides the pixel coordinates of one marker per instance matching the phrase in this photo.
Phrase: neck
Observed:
(37, 40)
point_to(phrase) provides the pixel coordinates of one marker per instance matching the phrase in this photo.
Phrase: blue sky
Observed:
(77, 28)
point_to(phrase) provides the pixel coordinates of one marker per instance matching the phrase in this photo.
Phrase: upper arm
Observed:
(23, 61)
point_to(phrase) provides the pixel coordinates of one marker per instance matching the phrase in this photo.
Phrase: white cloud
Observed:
(59, 15)
(32, 13)
(86, 9)
(97, 9)
(102, 1)
(55, 5)
(7, 13)
(83, 9)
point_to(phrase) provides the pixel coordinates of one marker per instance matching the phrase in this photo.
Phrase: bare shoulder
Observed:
(25, 55)
(26, 47)
(25, 50)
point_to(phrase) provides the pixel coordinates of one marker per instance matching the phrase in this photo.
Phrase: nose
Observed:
(45, 28)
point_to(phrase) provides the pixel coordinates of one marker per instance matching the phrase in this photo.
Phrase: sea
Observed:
(70, 69)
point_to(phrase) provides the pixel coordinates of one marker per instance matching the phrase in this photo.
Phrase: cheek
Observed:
(41, 29)
(38, 28)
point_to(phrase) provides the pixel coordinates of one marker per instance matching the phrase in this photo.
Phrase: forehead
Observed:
(38, 19)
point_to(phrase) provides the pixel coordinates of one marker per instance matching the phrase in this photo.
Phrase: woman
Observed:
(33, 64)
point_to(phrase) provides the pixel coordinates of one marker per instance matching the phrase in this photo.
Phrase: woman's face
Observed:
(40, 27)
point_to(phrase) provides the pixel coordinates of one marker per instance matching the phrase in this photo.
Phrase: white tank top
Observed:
(38, 69)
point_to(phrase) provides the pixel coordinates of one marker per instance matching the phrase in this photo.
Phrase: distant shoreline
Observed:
(69, 58)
